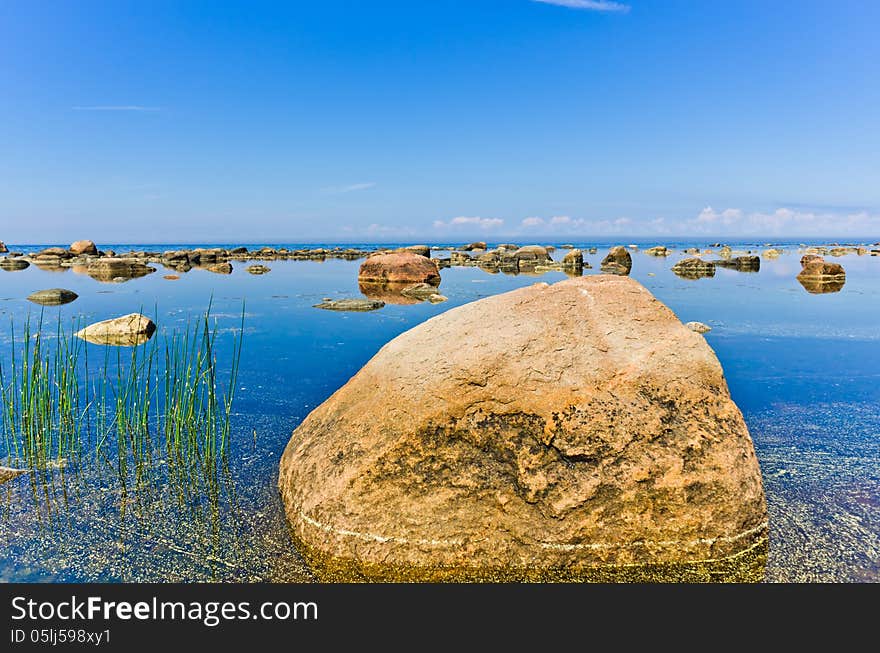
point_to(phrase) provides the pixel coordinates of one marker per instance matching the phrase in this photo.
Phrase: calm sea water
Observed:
(804, 369)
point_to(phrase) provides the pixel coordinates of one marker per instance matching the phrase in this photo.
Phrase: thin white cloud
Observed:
(351, 188)
(461, 222)
(783, 222)
(565, 225)
(115, 107)
(590, 5)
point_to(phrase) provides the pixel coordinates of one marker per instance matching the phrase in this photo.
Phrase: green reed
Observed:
(142, 404)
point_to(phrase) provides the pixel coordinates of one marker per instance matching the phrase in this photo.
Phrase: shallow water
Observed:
(804, 369)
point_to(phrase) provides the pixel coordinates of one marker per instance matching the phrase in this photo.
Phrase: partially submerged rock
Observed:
(474, 246)
(116, 270)
(573, 261)
(421, 250)
(586, 435)
(617, 261)
(52, 297)
(659, 250)
(698, 327)
(399, 267)
(13, 264)
(219, 268)
(694, 268)
(258, 269)
(3, 248)
(9, 473)
(741, 263)
(126, 331)
(422, 292)
(819, 277)
(360, 305)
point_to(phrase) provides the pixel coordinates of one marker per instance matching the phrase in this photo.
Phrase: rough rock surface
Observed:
(52, 297)
(585, 434)
(399, 267)
(126, 331)
(258, 269)
(618, 261)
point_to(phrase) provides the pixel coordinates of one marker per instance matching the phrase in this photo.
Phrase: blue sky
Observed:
(446, 120)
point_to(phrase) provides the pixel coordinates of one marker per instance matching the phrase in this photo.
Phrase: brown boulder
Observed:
(399, 267)
(472, 246)
(618, 261)
(126, 331)
(81, 247)
(606, 448)
(573, 261)
(820, 277)
(3, 248)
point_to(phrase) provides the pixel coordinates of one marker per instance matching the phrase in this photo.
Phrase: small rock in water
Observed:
(420, 291)
(258, 269)
(52, 297)
(171, 277)
(699, 327)
(126, 331)
(360, 305)
(13, 264)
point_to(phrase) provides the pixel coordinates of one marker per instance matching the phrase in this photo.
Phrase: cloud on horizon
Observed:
(784, 222)
(464, 222)
(115, 107)
(590, 5)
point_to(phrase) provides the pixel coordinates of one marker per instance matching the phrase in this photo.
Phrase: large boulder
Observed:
(399, 267)
(530, 256)
(617, 261)
(126, 331)
(3, 248)
(573, 261)
(583, 432)
(819, 277)
(81, 247)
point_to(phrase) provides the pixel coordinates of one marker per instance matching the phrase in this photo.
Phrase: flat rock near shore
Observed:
(575, 431)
